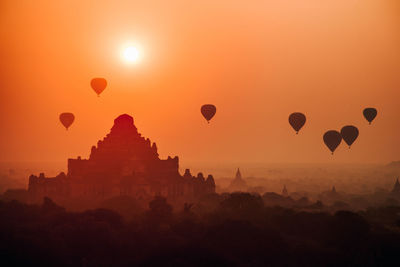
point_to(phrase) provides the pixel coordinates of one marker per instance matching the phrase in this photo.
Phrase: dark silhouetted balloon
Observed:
(332, 140)
(98, 85)
(67, 119)
(349, 134)
(370, 114)
(208, 111)
(297, 120)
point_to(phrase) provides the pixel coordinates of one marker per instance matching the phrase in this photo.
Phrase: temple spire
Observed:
(396, 187)
(284, 191)
(238, 174)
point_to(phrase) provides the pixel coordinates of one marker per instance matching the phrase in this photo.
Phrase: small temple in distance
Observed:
(396, 188)
(238, 184)
(122, 164)
(285, 192)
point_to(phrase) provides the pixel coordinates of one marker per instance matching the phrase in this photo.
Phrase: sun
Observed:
(131, 54)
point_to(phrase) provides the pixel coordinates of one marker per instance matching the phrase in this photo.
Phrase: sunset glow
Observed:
(131, 54)
(256, 63)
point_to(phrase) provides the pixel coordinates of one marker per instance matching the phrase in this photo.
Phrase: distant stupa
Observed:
(396, 188)
(238, 174)
(284, 191)
(238, 184)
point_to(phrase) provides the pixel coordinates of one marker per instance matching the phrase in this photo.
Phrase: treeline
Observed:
(237, 230)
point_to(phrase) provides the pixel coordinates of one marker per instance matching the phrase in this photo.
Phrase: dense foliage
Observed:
(236, 230)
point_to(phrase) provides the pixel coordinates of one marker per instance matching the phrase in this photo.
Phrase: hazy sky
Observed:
(257, 61)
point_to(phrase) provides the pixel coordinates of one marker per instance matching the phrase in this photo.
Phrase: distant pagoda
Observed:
(333, 191)
(285, 191)
(238, 184)
(396, 188)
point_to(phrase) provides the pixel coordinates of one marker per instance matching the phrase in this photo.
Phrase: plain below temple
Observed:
(123, 163)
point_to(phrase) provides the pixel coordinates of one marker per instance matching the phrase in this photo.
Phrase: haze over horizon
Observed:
(256, 62)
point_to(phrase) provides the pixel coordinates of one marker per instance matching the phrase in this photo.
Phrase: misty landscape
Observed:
(249, 221)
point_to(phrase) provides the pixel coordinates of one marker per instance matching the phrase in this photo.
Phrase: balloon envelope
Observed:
(208, 111)
(98, 85)
(349, 134)
(370, 114)
(67, 119)
(332, 140)
(297, 121)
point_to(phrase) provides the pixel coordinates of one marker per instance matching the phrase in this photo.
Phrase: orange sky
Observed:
(257, 61)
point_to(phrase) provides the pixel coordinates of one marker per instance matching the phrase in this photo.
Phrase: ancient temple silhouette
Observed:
(285, 192)
(396, 188)
(333, 191)
(123, 163)
(238, 184)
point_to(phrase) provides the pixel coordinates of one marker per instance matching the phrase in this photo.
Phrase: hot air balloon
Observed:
(98, 85)
(67, 119)
(332, 140)
(208, 111)
(370, 114)
(349, 134)
(297, 120)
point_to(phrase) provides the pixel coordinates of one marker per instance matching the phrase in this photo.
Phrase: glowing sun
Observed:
(131, 54)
